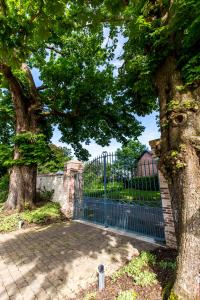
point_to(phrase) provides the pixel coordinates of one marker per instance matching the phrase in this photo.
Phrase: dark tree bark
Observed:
(22, 188)
(179, 153)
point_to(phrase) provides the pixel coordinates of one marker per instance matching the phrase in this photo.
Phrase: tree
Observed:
(76, 95)
(126, 163)
(129, 153)
(162, 61)
(59, 156)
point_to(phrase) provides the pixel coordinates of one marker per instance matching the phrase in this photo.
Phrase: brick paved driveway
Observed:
(55, 262)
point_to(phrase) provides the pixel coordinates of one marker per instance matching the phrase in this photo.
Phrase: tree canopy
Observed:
(155, 30)
(59, 156)
(128, 154)
(78, 90)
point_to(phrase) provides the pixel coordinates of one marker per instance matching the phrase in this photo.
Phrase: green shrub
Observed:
(4, 185)
(9, 222)
(49, 211)
(44, 195)
(41, 214)
(127, 295)
(167, 290)
(145, 278)
(146, 183)
(164, 264)
(135, 269)
(90, 296)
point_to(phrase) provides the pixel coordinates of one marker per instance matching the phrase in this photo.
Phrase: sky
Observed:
(151, 131)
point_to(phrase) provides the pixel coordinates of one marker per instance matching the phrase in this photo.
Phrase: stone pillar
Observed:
(170, 237)
(72, 169)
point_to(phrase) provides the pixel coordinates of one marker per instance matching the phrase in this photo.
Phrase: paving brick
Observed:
(46, 264)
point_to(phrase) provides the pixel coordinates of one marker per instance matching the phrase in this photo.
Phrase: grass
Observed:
(50, 211)
(132, 194)
(116, 191)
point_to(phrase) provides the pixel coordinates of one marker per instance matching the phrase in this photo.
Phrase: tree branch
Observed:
(41, 87)
(3, 7)
(55, 50)
(54, 112)
(12, 80)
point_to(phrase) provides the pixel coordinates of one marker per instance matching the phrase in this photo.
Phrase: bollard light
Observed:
(101, 277)
(21, 222)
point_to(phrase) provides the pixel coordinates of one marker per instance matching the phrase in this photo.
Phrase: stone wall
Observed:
(49, 182)
(62, 185)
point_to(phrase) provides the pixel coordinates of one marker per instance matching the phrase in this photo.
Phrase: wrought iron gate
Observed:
(122, 193)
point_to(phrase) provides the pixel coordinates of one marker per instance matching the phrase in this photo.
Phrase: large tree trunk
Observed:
(180, 162)
(22, 187)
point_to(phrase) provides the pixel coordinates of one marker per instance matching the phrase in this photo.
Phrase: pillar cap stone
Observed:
(74, 165)
(155, 147)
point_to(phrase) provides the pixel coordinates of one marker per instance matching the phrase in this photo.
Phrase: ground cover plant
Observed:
(148, 276)
(43, 213)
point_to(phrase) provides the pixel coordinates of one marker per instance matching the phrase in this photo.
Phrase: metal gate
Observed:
(121, 193)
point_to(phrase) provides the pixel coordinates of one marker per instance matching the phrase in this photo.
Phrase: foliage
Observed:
(59, 156)
(78, 87)
(137, 269)
(142, 189)
(33, 148)
(167, 290)
(7, 118)
(145, 278)
(90, 296)
(4, 184)
(49, 211)
(151, 198)
(132, 150)
(167, 264)
(155, 31)
(127, 156)
(44, 195)
(145, 183)
(40, 215)
(127, 295)
(9, 222)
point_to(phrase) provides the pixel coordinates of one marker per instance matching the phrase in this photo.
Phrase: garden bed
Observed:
(43, 214)
(148, 276)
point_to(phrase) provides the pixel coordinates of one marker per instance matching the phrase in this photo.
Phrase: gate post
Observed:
(71, 169)
(170, 237)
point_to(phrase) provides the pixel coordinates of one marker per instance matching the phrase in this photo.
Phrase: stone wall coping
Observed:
(49, 174)
(74, 162)
(73, 165)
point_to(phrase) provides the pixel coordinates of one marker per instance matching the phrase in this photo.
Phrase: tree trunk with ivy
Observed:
(179, 153)
(22, 187)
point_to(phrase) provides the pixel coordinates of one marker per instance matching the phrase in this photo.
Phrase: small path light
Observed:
(101, 277)
(21, 223)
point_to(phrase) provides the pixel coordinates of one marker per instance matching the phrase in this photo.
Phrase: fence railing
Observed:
(122, 179)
